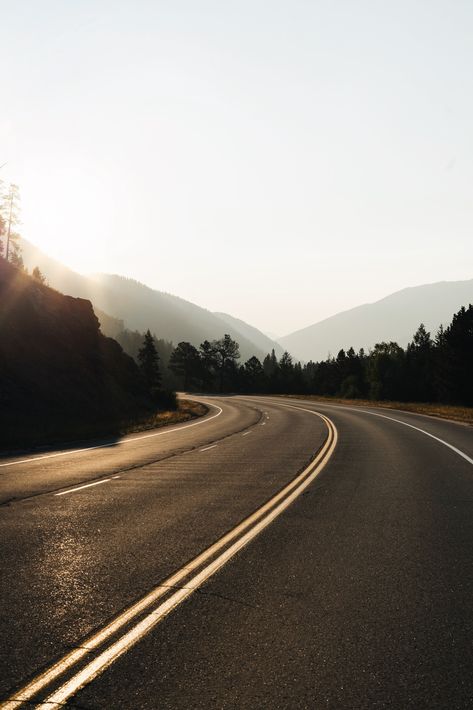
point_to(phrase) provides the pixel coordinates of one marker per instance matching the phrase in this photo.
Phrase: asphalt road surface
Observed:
(276, 553)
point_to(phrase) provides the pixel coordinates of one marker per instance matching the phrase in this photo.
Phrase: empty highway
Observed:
(276, 553)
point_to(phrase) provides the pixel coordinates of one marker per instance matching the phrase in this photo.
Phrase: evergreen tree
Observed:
(10, 210)
(38, 275)
(226, 353)
(285, 374)
(457, 358)
(351, 373)
(208, 364)
(309, 375)
(270, 364)
(298, 380)
(419, 367)
(253, 375)
(271, 371)
(385, 371)
(185, 362)
(148, 359)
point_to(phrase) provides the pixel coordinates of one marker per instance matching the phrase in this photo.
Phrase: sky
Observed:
(279, 161)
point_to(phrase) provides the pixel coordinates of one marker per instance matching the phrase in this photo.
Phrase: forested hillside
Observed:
(430, 369)
(59, 375)
(140, 307)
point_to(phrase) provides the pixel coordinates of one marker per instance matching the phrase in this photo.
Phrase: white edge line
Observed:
(392, 419)
(79, 488)
(27, 692)
(115, 443)
(87, 674)
(207, 448)
(411, 426)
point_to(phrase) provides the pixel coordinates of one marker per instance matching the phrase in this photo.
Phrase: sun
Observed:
(68, 216)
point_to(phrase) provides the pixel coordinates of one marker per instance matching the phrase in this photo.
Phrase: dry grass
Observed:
(186, 410)
(443, 411)
(22, 436)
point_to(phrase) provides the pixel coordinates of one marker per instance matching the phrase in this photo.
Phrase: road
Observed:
(276, 553)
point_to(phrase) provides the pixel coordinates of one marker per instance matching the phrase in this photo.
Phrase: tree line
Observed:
(429, 369)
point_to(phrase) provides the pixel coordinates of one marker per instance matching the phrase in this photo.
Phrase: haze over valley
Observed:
(195, 512)
(394, 318)
(281, 165)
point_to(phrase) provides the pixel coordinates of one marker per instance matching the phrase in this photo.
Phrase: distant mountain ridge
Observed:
(395, 317)
(119, 299)
(263, 342)
(141, 307)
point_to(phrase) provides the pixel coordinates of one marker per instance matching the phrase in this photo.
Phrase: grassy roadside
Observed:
(187, 409)
(442, 411)
(49, 433)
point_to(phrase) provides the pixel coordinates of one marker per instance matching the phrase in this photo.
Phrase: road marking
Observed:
(457, 451)
(246, 433)
(114, 443)
(87, 485)
(411, 426)
(116, 476)
(207, 448)
(244, 532)
(263, 423)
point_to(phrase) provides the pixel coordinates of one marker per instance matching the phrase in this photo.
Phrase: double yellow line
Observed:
(131, 626)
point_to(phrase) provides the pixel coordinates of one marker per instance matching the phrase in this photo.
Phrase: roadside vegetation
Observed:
(61, 378)
(50, 431)
(437, 372)
(186, 409)
(443, 411)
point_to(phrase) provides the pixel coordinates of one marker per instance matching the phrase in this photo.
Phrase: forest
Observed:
(436, 369)
(429, 369)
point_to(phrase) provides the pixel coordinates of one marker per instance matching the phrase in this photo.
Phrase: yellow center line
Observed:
(253, 524)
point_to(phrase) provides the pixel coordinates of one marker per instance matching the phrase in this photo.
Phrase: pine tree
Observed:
(253, 375)
(208, 364)
(185, 362)
(38, 275)
(286, 373)
(385, 371)
(419, 367)
(10, 209)
(148, 359)
(457, 357)
(226, 352)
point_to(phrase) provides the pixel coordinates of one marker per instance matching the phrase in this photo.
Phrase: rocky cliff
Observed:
(59, 375)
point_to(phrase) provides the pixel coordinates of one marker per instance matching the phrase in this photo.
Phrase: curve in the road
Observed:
(130, 440)
(188, 578)
(456, 450)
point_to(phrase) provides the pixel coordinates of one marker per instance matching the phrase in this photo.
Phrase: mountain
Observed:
(272, 335)
(262, 341)
(395, 317)
(59, 375)
(140, 307)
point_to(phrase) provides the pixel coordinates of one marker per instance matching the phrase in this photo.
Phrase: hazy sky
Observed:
(280, 161)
